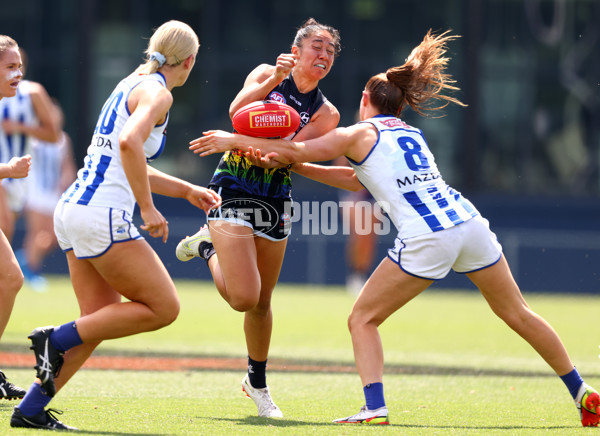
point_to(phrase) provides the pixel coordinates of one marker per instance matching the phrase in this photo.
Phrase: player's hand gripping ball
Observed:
(266, 119)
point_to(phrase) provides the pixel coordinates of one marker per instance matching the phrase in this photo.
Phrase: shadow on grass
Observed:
(6, 406)
(484, 427)
(262, 422)
(84, 431)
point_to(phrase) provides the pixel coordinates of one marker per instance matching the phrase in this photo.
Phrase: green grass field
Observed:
(451, 368)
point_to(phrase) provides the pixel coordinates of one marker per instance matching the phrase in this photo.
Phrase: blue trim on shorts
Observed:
(408, 272)
(112, 241)
(109, 247)
(483, 267)
(97, 255)
(130, 223)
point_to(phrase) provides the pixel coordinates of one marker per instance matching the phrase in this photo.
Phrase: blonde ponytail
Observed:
(172, 43)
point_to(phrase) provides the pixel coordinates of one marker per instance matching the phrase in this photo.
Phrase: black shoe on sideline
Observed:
(8, 390)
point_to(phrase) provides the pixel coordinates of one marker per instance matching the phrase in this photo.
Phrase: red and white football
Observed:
(266, 119)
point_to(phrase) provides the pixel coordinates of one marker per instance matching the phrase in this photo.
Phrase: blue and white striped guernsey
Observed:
(19, 109)
(102, 180)
(46, 163)
(401, 174)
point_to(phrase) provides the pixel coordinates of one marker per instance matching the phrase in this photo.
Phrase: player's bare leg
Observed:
(504, 297)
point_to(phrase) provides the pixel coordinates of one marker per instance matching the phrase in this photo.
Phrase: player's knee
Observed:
(518, 318)
(360, 319)
(11, 282)
(168, 313)
(243, 303)
(354, 321)
(173, 313)
(243, 298)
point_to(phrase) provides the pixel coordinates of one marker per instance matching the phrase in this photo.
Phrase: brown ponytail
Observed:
(420, 80)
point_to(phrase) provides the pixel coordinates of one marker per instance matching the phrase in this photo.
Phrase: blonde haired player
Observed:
(27, 117)
(438, 228)
(121, 285)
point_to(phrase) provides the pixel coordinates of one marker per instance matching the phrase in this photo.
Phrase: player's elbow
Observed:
(355, 186)
(233, 108)
(53, 135)
(126, 143)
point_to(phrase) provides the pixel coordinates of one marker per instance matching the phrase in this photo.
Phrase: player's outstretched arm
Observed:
(343, 141)
(341, 177)
(170, 186)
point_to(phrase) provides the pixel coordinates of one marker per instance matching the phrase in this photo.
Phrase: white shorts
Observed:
(465, 248)
(43, 202)
(90, 231)
(16, 193)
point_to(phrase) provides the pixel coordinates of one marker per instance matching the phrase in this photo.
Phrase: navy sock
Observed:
(374, 396)
(65, 336)
(257, 373)
(573, 381)
(34, 400)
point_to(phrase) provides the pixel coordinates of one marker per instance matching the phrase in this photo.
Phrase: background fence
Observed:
(545, 255)
(526, 149)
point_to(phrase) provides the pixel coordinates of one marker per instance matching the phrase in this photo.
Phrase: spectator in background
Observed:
(52, 171)
(28, 115)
